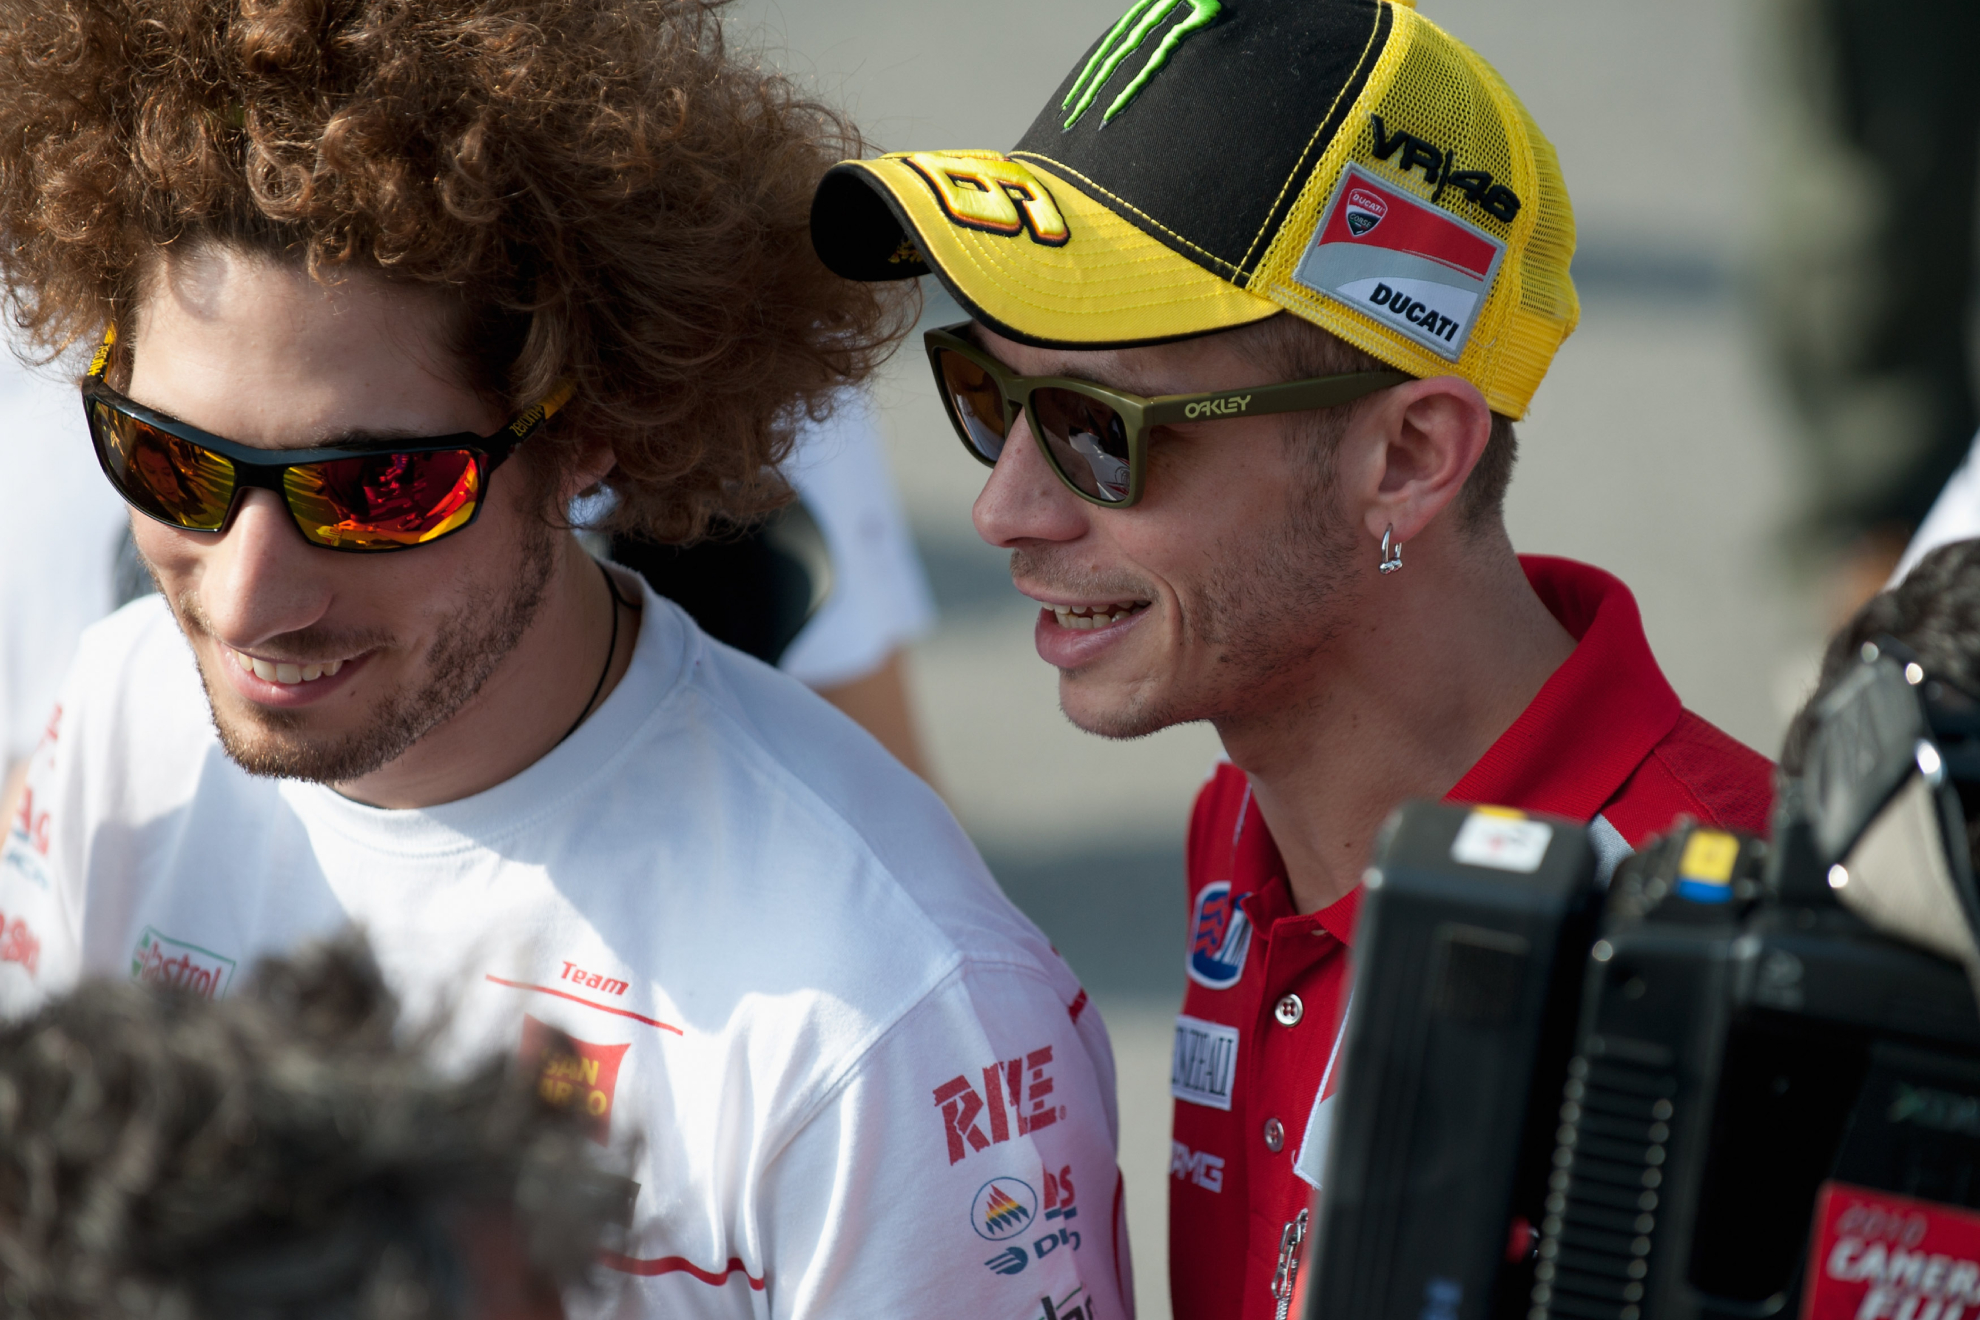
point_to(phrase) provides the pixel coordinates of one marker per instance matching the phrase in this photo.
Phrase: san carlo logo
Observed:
(1002, 1209)
(1219, 937)
(574, 1074)
(1364, 211)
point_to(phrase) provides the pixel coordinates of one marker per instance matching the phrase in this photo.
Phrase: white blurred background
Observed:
(1657, 448)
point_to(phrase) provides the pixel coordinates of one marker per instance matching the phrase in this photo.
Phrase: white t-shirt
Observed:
(880, 599)
(1954, 516)
(58, 546)
(864, 1083)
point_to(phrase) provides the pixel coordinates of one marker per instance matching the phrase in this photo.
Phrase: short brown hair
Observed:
(1292, 349)
(610, 196)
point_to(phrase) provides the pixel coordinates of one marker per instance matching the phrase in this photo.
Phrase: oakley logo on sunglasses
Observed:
(537, 412)
(988, 191)
(1236, 403)
(101, 358)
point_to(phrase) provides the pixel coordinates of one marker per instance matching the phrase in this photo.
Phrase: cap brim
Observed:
(1108, 285)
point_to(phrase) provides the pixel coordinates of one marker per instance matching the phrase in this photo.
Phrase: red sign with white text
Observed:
(1881, 1256)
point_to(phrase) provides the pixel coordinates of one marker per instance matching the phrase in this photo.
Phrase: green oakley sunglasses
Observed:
(1094, 437)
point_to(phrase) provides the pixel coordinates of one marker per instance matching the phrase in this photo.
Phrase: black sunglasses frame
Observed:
(1139, 414)
(254, 470)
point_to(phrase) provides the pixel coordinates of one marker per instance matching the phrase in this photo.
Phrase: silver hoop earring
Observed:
(1391, 555)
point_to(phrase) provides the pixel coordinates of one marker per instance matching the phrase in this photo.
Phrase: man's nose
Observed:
(260, 579)
(1024, 501)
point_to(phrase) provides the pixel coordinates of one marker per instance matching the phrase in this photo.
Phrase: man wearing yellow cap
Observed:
(1253, 307)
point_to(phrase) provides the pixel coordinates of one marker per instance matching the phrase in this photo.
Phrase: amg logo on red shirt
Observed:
(1012, 1089)
(1197, 1166)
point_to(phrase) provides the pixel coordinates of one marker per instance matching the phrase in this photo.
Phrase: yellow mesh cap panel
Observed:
(1099, 280)
(1435, 91)
(1547, 308)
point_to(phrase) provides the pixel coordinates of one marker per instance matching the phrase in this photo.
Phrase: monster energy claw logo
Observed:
(1125, 39)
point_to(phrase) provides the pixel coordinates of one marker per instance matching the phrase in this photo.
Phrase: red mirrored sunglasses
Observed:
(390, 496)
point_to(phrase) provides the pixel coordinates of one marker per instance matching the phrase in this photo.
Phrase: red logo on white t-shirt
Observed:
(19, 945)
(1012, 1088)
(161, 960)
(596, 980)
(29, 822)
(574, 1073)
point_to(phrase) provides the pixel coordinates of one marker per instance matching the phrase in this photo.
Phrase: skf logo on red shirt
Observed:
(1012, 1089)
(574, 1073)
(1219, 937)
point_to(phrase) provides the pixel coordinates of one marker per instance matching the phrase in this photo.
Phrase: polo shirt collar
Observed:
(1595, 719)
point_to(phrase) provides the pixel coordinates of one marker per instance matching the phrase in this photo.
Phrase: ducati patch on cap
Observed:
(1409, 265)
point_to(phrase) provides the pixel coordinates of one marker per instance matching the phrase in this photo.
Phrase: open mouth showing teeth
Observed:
(1096, 616)
(285, 673)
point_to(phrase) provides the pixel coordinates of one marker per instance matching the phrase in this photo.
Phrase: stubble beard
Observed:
(469, 645)
(1268, 610)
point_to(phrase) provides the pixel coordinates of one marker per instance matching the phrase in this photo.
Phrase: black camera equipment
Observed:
(1712, 1088)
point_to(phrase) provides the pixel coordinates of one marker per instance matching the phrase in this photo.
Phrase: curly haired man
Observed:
(376, 288)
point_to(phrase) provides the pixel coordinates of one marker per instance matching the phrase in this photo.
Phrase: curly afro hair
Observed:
(611, 197)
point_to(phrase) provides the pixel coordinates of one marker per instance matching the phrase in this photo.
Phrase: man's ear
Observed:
(1416, 446)
(594, 462)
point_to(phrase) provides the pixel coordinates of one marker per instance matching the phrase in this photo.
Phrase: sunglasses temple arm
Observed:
(99, 361)
(1299, 396)
(504, 442)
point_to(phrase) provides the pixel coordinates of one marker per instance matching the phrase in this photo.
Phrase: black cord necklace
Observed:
(611, 652)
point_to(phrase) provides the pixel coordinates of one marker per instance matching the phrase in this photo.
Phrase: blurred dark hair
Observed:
(280, 1153)
(1936, 612)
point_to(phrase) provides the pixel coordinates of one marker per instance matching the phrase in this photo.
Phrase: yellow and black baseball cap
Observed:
(1213, 162)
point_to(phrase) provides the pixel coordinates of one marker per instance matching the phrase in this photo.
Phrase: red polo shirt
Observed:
(1605, 741)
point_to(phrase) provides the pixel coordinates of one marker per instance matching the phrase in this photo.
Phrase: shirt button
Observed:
(1275, 1135)
(1289, 1011)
